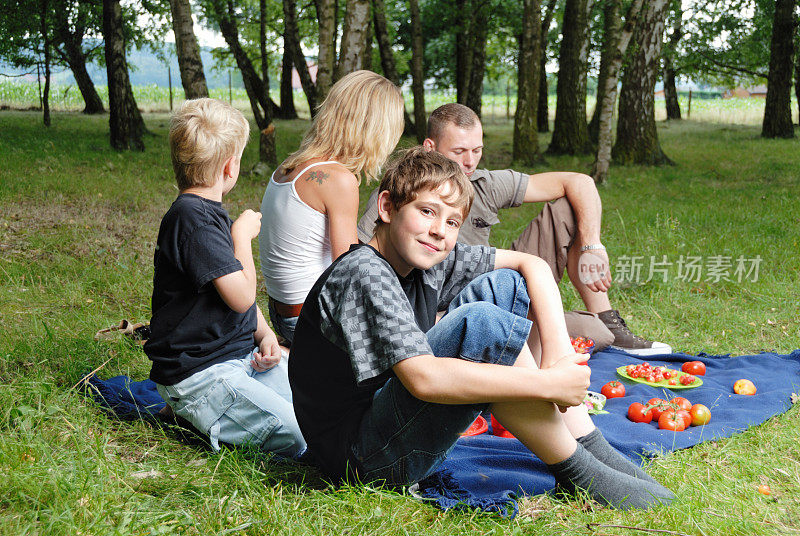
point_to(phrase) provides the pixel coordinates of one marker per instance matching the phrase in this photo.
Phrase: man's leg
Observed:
(550, 236)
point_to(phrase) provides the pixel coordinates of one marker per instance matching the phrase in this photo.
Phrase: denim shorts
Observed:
(402, 439)
(232, 403)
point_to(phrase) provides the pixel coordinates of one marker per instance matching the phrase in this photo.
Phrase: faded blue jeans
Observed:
(232, 403)
(403, 439)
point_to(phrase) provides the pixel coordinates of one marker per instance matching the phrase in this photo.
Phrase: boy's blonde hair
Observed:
(418, 169)
(358, 125)
(203, 134)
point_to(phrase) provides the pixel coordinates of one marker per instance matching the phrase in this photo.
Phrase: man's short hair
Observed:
(417, 170)
(451, 114)
(203, 134)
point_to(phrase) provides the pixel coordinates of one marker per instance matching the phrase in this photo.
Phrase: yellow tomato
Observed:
(744, 387)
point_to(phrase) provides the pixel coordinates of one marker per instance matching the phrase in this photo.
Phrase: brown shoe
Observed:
(624, 339)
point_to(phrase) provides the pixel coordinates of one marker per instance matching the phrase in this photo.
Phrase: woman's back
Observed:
(294, 242)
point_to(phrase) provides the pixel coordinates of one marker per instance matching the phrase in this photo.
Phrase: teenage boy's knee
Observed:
(482, 332)
(502, 287)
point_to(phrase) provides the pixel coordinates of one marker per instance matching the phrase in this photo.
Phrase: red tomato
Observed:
(670, 420)
(700, 415)
(658, 405)
(687, 379)
(613, 390)
(696, 368)
(686, 416)
(681, 403)
(640, 413)
(672, 382)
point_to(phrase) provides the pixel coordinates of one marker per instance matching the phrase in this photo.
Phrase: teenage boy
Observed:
(205, 321)
(566, 233)
(373, 399)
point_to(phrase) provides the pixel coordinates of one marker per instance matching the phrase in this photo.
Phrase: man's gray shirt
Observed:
(494, 190)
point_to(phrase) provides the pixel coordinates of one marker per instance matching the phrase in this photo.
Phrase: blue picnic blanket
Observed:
(489, 472)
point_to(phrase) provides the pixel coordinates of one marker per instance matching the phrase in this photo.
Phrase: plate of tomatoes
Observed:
(582, 345)
(659, 376)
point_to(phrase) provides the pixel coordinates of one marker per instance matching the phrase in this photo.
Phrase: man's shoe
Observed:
(624, 339)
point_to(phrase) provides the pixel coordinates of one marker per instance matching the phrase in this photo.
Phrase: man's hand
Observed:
(268, 355)
(248, 224)
(568, 380)
(594, 270)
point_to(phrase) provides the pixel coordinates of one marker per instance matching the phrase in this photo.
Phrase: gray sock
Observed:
(582, 471)
(601, 449)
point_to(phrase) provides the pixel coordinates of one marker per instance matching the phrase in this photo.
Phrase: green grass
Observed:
(77, 229)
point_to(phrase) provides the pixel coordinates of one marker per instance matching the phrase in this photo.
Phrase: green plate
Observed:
(663, 383)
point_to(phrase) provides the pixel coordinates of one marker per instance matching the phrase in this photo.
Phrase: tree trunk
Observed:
(615, 43)
(611, 30)
(637, 137)
(388, 63)
(478, 57)
(543, 108)
(291, 41)
(777, 109)
(326, 58)
(570, 132)
(73, 55)
(463, 60)
(584, 75)
(670, 90)
(417, 72)
(125, 120)
(189, 61)
(543, 112)
(797, 82)
(288, 110)
(253, 85)
(43, 6)
(526, 138)
(262, 41)
(354, 37)
(366, 61)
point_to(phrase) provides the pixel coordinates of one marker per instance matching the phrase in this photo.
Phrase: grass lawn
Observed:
(78, 224)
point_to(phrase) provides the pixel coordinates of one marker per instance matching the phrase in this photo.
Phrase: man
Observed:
(566, 233)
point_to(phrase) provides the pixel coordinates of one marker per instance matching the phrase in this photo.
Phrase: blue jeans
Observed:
(232, 403)
(403, 439)
(283, 325)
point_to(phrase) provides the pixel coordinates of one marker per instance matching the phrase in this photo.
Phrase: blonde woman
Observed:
(310, 206)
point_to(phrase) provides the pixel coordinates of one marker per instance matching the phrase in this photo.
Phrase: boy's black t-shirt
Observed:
(359, 320)
(192, 328)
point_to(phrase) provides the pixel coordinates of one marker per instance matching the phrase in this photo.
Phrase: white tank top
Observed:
(294, 242)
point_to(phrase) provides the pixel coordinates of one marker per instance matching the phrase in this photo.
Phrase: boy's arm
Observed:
(238, 289)
(445, 380)
(546, 310)
(269, 352)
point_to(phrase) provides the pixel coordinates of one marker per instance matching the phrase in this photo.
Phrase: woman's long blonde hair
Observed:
(358, 125)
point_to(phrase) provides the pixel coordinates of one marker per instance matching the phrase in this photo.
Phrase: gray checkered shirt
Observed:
(366, 314)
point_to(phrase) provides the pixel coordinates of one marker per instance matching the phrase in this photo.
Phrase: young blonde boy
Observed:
(215, 360)
(382, 391)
